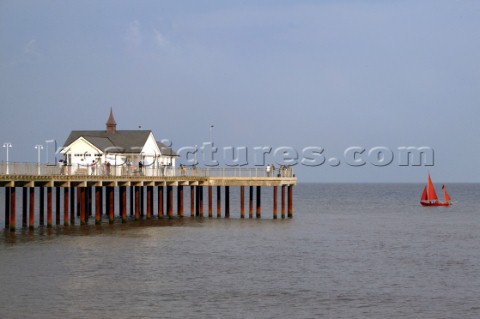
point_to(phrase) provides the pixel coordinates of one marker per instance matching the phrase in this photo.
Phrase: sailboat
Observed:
(430, 198)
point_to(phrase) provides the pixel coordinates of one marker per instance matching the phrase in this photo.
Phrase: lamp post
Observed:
(46, 155)
(211, 133)
(7, 145)
(195, 157)
(38, 147)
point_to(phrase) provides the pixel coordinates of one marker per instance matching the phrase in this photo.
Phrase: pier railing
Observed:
(32, 169)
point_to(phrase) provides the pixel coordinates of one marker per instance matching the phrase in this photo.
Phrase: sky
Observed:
(325, 74)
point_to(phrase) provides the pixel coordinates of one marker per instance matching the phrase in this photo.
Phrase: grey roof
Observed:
(165, 150)
(122, 141)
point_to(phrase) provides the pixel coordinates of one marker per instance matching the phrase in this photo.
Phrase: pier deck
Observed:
(84, 188)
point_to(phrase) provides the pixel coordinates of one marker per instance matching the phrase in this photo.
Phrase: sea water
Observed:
(350, 251)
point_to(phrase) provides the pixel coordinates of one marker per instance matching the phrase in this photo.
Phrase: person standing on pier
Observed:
(107, 166)
(93, 167)
(129, 167)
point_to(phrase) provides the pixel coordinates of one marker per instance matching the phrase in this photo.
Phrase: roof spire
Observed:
(111, 124)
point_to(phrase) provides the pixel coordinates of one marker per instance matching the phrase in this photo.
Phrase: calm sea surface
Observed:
(351, 251)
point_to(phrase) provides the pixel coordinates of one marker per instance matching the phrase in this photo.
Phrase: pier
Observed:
(90, 192)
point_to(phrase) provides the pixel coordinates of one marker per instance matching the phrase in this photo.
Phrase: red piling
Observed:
(180, 200)
(42, 206)
(197, 201)
(160, 201)
(111, 204)
(137, 203)
(7, 207)
(219, 201)
(98, 205)
(283, 201)
(72, 207)
(132, 199)
(170, 201)
(89, 202)
(192, 201)
(13, 219)
(242, 201)
(81, 203)
(274, 202)
(259, 201)
(49, 207)
(227, 201)
(290, 201)
(210, 202)
(123, 203)
(24, 207)
(200, 192)
(57, 206)
(250, 202)
(65, 206)
(149, 201)
(142, 201)
(31, 222)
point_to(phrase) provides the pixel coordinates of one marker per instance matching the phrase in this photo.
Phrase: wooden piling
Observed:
(13, 208)
(85, 203)
(242, 201)
(49, 207)
(200, 192)
(57, 206)
(180, 200)
(152, 202)
(219, 201)
(81, 204)
(31, 221)
(79, 200)
(250, 202)
(142, 201)
(66, 193)
(149, 201)
(123, 203)
(98, 205)
(227, 201)
(137, 203)
(283, 201)
(24, 207)
(170, 201)
(259, 201)
(7, 207)
(290, 201)
(132, 199)
(89, 202)
(72, 206)
(210, 202)
(42, 206)
(160, 201)
(111, 204)
(197, 201)
(274, 202)
(192, 201)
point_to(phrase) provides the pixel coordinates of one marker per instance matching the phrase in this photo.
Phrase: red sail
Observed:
(431, 194)
(424, 195)
(445, 194)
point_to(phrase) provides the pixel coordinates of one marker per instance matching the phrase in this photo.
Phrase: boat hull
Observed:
(436, 204)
